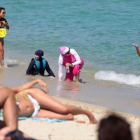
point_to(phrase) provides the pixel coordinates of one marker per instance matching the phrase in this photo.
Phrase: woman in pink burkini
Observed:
(69, 59)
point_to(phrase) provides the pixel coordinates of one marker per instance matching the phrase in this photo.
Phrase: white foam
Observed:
(8, 60)
(129, 79)
(5, 64)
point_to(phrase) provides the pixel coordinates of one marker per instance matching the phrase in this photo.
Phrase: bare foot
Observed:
(77, 82)
(2, 65)
(93, 120)
(91, 117)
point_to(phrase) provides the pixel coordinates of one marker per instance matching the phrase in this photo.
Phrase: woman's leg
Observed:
(77, 78)
(1, 53)
(48, 103)
(52, 115)
(77, 110)
(76, 70)
(76, 73)
(7, 102)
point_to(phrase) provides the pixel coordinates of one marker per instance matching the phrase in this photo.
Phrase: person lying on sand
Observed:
(34, 102)
(10, 115)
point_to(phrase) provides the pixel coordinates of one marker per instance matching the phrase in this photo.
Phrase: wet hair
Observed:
(114, 128)
(1, 8)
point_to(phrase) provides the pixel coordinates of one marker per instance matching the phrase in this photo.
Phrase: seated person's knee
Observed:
(70, 116)
(64, 110)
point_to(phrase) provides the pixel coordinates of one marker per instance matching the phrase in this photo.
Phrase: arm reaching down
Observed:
(48, 69)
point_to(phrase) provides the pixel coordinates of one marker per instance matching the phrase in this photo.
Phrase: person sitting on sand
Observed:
(114, 127)
(38, 65)
(33, 102)
(10, 115)
(71, 61)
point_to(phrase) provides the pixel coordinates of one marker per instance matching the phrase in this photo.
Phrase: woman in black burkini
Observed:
(38, 65)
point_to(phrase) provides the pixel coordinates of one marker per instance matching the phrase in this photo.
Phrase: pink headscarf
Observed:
(64, 49)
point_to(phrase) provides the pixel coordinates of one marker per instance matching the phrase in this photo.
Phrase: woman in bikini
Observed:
(34, 102)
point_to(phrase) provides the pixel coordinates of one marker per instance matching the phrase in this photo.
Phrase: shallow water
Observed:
(108, 94)
(102, 32)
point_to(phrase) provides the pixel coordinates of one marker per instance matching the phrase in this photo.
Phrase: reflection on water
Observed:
(67, 89)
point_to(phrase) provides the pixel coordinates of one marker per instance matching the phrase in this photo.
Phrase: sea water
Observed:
(102, 32)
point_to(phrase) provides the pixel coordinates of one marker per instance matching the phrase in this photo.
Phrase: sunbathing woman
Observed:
(33, 102)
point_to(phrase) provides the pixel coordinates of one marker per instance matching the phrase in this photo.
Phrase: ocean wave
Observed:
(129, 79)
(9, 60)
(14, 61)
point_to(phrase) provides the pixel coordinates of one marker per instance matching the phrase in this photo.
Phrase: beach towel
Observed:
(38, 119)
(42, 119)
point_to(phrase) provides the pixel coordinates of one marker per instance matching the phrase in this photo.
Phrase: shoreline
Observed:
(112, 95)
(92, 107)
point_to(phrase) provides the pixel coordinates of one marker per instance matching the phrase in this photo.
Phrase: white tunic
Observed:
(60, 63)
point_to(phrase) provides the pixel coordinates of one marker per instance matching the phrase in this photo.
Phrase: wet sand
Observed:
(14, 76)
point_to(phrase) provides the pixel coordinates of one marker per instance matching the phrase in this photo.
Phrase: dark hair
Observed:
(2, 8)
(114, 128)
(68, 51)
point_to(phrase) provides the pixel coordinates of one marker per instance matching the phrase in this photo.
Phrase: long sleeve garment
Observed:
(32, 68)
(60, 63)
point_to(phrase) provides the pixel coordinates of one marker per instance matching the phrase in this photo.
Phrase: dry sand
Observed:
(71, 130)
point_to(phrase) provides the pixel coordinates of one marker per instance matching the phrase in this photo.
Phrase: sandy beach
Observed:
(71, 130)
